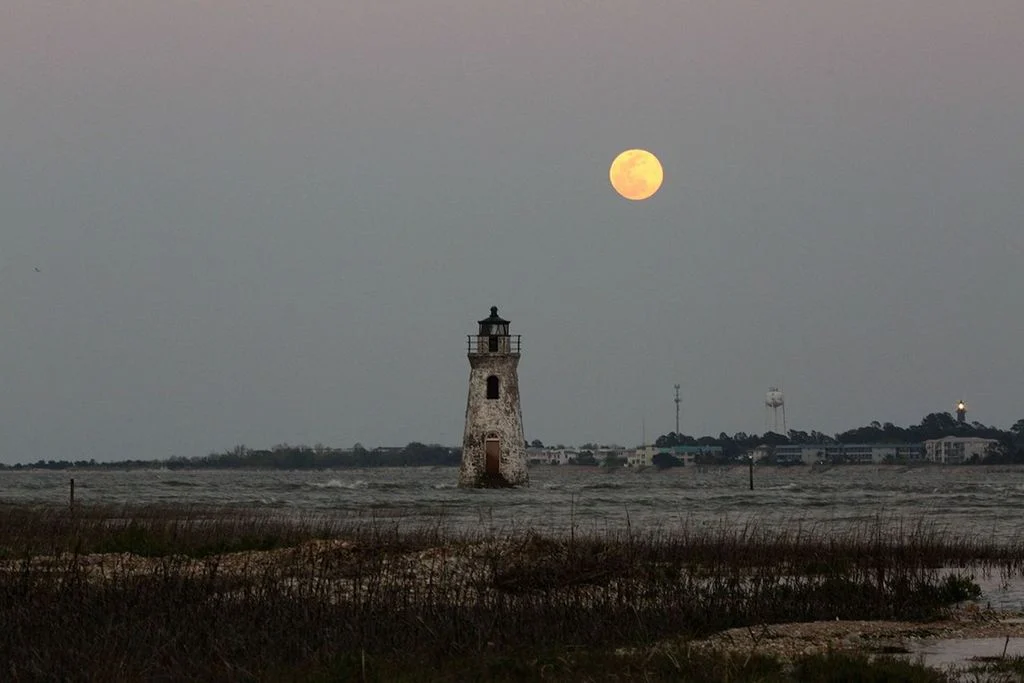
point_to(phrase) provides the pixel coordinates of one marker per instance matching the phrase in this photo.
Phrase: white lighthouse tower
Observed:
(493, 445)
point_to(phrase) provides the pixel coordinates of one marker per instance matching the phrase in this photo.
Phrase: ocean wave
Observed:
(791, 486)
(393, 485)
(339, 484)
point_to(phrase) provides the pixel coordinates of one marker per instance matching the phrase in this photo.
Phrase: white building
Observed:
(641, 456)
(799, 454)
(869, 453)
(897, 453)
(550, 456)
(952, 450)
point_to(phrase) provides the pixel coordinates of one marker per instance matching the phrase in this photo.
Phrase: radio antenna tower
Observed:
(776, 403)
(677, 410)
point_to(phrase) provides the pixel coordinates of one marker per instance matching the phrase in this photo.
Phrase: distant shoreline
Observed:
(158, 465)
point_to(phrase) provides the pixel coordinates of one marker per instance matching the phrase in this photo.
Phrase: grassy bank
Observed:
(161, 593)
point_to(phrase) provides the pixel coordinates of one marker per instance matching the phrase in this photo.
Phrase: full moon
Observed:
(636, 174)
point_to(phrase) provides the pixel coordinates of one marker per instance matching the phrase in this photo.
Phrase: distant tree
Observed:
(796, 436)
(995, 451)
(937, 425)
(585, 458)
(537, 443)
(613, 460)
(820, 437)
(665, 460)
(773, 439)
(893, 433)
(666, 440)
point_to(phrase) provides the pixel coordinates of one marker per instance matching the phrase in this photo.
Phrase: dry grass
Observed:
(161, 593)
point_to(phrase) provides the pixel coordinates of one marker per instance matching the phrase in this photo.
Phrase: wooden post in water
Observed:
(71, 498)
(751, 472)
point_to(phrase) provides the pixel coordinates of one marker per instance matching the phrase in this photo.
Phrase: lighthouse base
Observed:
(488, 464)
(492, 481)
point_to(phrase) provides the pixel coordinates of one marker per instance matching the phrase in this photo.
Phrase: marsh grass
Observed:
(847, 667)
(161, 593)
(999, 670)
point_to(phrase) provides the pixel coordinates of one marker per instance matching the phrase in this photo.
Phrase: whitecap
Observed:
(339, 484)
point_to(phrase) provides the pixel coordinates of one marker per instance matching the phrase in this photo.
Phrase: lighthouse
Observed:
(493, 446)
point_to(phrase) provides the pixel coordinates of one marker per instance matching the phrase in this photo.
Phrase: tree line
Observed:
(416, 454)
(280, 457)
(932, 426)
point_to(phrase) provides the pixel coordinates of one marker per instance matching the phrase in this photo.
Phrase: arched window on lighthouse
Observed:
(493, 384)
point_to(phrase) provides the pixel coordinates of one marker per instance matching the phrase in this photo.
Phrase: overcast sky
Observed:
(267, 222)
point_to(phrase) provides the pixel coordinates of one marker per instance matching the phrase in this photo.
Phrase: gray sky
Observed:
(276, 222)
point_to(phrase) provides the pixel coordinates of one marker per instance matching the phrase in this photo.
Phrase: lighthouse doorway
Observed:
(492, 455)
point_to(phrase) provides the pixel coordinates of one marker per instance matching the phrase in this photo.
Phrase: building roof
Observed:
(688, 449)
(848, 445)
(961, 439)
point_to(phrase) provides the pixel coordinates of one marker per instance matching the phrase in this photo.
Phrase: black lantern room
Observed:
(493, 337)
(494, 325)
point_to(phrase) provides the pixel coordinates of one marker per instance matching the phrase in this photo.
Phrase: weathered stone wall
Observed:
(501, 417)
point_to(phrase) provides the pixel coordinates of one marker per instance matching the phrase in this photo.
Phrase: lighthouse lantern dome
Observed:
(493, 325)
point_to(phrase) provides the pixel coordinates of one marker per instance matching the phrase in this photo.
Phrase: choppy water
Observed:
(988, 501)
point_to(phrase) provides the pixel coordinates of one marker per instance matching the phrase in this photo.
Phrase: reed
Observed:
(149, 593)
(998, 669)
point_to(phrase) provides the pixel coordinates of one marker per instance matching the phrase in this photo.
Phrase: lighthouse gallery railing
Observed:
(483, 344)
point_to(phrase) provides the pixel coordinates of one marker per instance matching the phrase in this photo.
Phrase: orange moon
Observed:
(636, 174)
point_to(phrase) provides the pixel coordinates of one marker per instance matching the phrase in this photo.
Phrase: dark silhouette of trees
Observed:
(282, 457)
(933, 426)
(665, 460)
(585, 457)
(1010, 449)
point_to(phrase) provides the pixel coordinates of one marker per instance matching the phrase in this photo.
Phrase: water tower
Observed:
(774, 403)
(493, 445)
